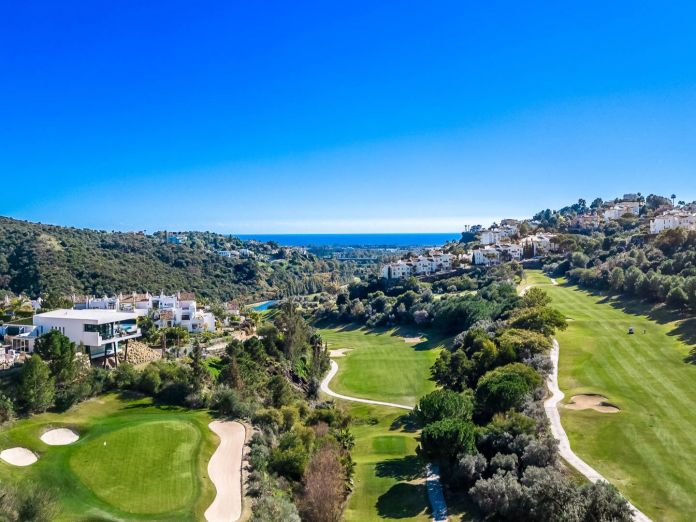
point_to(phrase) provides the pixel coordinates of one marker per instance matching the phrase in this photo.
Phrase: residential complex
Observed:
(673, 219)
(418, 266)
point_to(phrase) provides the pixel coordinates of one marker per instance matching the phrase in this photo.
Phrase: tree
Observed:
(36, 386)
(542, 319)
(604, 502)
(274, 507)
(616, 279)
(677, 297)
(504, 388)
(59, 351)
(452, 370)
(579, 260)
(324, 486)
(515, 344)
(596, 203)
(6, 409)
(443, 404)
(673, 197)
(535, 296)
(447, 438)
(198, 368)
(500, 497)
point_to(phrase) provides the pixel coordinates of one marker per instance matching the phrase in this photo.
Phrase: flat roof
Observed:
(94, 316)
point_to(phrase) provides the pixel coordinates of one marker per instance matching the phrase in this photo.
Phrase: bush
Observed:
(228, 402)
(7, 412)
(125, 376)
(150, 381)
(273, 508)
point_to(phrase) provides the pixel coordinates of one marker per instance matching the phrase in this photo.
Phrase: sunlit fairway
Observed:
(134, 460)
(648, 450)
(382, 366)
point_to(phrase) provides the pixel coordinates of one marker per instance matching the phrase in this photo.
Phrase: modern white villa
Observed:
(491, 255)
(101, 332)
(421, 265)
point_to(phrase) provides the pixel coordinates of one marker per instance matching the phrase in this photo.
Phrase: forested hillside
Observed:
(37, 259)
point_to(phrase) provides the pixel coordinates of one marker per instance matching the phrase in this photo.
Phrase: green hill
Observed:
(36, 259)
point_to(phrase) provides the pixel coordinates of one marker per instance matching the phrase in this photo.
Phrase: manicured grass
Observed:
(134, 460)
(381, 365)
(648, 450)
(389, 482)
(388, 477)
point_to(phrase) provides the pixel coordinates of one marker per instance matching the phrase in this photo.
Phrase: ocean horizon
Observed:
(386, 240)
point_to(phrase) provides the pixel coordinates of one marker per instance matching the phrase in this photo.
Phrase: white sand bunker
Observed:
(594, 402)
(18, 456)
(413, 340)
(59, 437)
(340, 352)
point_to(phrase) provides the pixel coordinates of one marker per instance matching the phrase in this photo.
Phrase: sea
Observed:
(403, 240)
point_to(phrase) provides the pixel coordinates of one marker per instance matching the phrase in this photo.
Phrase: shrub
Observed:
(504, 388)
(447, 438)
(442, 404)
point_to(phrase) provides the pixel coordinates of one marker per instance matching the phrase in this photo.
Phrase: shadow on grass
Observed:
(406, 423)
(403, 501)
(433, 338)
(406, 468)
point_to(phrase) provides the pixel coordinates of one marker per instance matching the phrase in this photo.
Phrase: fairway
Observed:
(647, 449)
(134, 460)
(380, 365)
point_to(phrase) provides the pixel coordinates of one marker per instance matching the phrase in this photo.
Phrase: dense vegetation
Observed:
(37, 259)
(487, 429)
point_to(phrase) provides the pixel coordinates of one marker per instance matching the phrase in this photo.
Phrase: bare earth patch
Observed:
(18, 456)
(413, 340)
(594, 402)
(340, 352)
(59, 437)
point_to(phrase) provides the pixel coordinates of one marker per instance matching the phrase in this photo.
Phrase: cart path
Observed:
(564, 449)
(432, 480)
(225, 470)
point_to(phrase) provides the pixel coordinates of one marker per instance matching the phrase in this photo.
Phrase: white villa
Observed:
(490, 255)
(179, 309)
(539, 244)
(622, 208)
(101, 332)
(673, 219)
(493, 236)
(421, 265)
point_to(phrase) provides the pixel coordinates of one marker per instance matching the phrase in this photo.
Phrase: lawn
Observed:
(380, 365)
(647, 450)
(134, 460)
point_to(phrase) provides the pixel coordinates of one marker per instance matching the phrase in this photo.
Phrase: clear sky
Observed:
(327, 116)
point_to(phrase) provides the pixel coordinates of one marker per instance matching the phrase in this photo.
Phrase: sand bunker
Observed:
(340, 352)
(594, 402)
(225, 470)
(413, 340)
(18, 456)
(59, 437)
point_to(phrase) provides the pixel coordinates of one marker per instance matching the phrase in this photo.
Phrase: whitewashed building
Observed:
(671, 220)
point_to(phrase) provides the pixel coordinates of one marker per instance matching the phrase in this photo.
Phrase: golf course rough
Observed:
(647, 450)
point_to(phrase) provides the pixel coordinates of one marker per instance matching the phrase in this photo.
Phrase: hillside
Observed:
(36, 259)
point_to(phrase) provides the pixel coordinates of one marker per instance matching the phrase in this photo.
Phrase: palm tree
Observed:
(673, 196)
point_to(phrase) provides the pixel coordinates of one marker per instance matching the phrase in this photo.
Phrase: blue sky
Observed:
(255, 117)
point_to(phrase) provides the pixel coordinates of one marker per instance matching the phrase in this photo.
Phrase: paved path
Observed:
(432, 479)
(551, 407)
(225, 470)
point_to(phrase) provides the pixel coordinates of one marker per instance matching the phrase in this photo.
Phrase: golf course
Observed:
(133, 460)
(647, 448)
(391, 366)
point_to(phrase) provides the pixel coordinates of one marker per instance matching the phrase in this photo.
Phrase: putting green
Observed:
(153, 466)
(107, 463)
(647, 449)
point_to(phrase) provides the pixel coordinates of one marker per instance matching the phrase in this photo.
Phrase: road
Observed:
(432, 480)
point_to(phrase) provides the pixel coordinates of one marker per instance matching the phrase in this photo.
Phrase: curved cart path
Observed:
(551, 408)
(432, 480)
(225, 470)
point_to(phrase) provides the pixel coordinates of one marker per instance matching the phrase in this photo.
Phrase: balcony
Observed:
(119, 334)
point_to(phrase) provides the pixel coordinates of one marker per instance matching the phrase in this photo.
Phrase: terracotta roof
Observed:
(187, 296)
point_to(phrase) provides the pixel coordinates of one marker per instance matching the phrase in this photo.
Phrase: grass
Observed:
(134, 460)
(381, 365)
(389, 482)
(647, 450)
